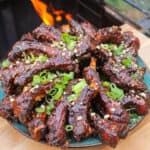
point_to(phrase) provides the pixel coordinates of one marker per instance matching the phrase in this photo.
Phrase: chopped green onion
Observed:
(40, 109)
(106, 84)
(42, 58)
(70, 40)
(135, 76)
(67, 77)
(5, 64)
(31, 57)
(115, 92)
(59, 45)
(71, 45)
(77, 89)
(36, 80)
(58, 95)
(68, 128)
(105, 46)
(116, 50)
(72, 97)
(43, 77)
(127, 61)
(52, 92)
(49, 108)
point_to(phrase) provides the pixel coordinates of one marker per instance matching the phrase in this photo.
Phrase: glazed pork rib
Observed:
(47, 33)
(25, 102)
(79, 115)
(37, 126)
(122, 77)
(56, 125)
(108, 131)
(113, 108)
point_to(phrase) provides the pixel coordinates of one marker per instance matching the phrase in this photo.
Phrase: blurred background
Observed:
(21, 16)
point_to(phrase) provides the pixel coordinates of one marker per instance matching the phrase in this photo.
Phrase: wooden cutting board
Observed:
(138, 138)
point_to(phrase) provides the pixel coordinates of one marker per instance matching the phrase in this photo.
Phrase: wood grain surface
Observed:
(137, 139)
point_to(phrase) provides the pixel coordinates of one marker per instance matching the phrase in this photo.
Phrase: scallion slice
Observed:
(68, 128)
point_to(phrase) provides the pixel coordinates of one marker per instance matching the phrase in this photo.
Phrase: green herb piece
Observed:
(43, 77)
(135, 76)
(60, 90)
(67, 77)
(127, 61)
(106, 84)
(70, 40)
(36, 80)
(40, 109)
(5, 64)
(52, 92)
(68, 128)
(29, 58)
(72, 97)
(115, 92)
(49, 108)
(116, 50)
(71, 45)
(77, 89)
(134, 119)
(42, 58)
(105, 46)
(60, 45)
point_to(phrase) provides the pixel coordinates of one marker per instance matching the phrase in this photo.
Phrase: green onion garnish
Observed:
(67, 77)
(43, 77)
(42, 58)
(115, 92)
(5, 64)
(60, 88)
(135, 76)
(127, 61)
(70, 40)
(31, 57)
(112, 47)
(72, 97)
(40, 109)
(49, 108)
(68, 128)
(106, 84)
(77, 89)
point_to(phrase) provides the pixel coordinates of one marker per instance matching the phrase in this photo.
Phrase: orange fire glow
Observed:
(47, 17)
(41, 9)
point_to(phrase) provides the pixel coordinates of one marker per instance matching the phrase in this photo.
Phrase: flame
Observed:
(41, 9)
(47, 17)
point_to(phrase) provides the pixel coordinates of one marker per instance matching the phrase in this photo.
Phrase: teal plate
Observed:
(92, 141)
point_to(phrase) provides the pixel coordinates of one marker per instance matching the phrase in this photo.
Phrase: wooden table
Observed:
(138, 139)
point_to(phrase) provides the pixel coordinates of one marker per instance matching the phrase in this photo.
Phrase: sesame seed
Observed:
(143, 95)
(79, 118)
(106, 116)
(63, 54)
(17, 62)
(75, 50)
(72, 103)
(42, 106)
(11, 99)
(113, 109)
(93, 114)
(98, 47)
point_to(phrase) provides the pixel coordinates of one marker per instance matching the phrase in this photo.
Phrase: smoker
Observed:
(19, 17)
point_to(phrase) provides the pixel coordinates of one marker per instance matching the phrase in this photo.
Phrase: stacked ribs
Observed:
(93, 112)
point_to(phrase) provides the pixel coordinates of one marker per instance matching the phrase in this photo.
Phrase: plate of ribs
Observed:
(75, 85)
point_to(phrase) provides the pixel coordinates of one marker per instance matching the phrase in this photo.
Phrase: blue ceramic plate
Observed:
(92, 141)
